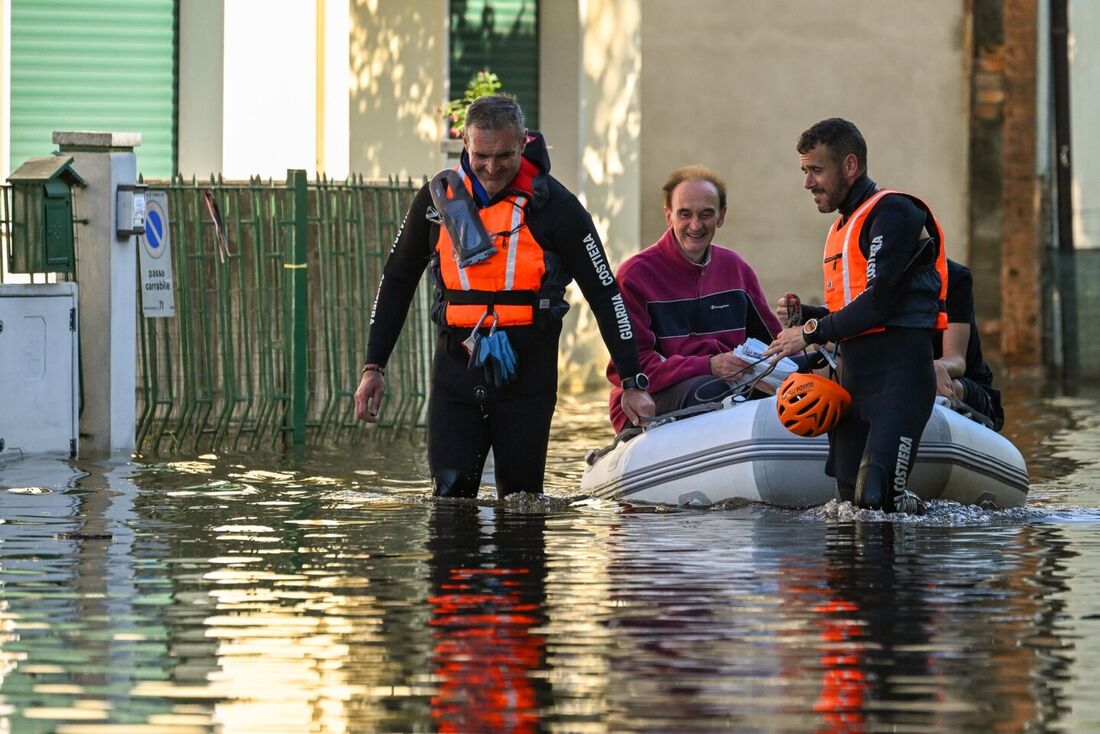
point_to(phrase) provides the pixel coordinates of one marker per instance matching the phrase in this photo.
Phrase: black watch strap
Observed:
(811, 332)
(637, 382)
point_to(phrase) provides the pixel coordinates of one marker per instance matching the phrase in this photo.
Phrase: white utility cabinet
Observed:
(39, 368)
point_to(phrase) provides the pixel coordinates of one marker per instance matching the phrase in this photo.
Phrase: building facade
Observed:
(624, 90)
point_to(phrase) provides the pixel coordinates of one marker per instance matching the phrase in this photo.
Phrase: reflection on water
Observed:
(488, 576)
(329, 593)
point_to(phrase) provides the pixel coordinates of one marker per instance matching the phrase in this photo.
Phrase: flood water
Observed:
(329, 593)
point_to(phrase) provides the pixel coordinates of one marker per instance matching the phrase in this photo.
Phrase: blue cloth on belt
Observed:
(493, 352)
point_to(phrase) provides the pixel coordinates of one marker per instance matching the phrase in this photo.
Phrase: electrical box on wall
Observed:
(130, 210)
(39, 364)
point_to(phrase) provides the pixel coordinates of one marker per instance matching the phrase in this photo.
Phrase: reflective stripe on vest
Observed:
(519, 266)
(844, 283)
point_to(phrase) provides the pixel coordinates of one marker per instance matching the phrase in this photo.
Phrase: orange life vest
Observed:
(845, 266)
(507, 283)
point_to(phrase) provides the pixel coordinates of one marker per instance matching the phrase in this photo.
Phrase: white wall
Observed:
(333, 146)
(733, 83)
(261, 90)
(1084, 23)
(201, 51)
(560, 83)
(607, 156)
(269, 96)
(398, 62)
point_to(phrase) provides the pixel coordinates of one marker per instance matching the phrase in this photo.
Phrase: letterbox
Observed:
(42, 216)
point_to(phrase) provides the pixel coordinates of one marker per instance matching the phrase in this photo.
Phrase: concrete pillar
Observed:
(608, 162)
(106, 273)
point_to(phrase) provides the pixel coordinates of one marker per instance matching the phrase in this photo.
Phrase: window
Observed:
(94, 65)
(500, 36)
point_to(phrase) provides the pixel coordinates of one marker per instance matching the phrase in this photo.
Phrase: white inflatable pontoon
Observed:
(740, 451)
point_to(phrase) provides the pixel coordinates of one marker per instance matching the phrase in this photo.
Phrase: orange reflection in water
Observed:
(843, 683)
(485, 652)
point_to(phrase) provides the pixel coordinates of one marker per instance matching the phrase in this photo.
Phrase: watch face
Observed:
(642, 381)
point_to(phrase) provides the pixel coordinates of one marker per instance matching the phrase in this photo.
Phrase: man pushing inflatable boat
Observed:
(892, 443)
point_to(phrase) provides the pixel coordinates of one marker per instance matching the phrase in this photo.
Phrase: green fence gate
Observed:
(272, 307)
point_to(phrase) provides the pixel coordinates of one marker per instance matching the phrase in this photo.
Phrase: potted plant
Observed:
(481, 84)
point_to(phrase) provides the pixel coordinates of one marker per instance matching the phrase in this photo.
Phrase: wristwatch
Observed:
(637, 382)
(809, 331)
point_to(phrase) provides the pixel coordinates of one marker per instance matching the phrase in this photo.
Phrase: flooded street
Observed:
(329, 593)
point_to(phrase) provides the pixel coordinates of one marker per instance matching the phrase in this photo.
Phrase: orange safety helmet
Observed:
(809, 405)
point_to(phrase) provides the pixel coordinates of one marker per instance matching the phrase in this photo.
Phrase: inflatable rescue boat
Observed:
(739, 450)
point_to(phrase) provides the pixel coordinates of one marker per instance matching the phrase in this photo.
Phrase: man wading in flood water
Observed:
(503, 239)
(885, 274)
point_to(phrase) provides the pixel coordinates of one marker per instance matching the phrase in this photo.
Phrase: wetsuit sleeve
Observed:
(584, 259)
(813, 312)
(960, 310)
(408, 258)
(894, 228)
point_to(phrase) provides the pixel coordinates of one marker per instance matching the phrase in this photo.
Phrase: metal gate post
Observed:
(297, 290)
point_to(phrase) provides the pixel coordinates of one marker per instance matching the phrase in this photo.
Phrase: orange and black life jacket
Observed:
(847, 270)
(506, 284)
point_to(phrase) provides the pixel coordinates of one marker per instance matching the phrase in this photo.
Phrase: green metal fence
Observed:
(270, 328)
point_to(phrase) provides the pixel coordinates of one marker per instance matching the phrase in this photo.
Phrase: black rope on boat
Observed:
(674, 415)
(738, 389)
(743, 389)
(658, 420)
(622, 436)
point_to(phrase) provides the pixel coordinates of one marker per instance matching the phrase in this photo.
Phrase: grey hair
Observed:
(496, 112)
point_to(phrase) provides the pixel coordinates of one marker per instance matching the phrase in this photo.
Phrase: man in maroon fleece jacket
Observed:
(691, 303)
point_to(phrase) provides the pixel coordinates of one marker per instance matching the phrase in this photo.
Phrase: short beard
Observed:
(841, 198)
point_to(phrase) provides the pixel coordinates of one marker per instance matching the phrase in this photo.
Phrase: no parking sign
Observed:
(155, 257)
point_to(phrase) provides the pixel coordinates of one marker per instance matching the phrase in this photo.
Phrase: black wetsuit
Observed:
(977, 380)
(467, 416)
(889, 373)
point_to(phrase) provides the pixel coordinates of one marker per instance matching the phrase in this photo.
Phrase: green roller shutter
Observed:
(105, 65)
(501, 36)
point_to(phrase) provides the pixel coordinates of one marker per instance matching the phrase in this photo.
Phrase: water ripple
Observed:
(328, 592)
